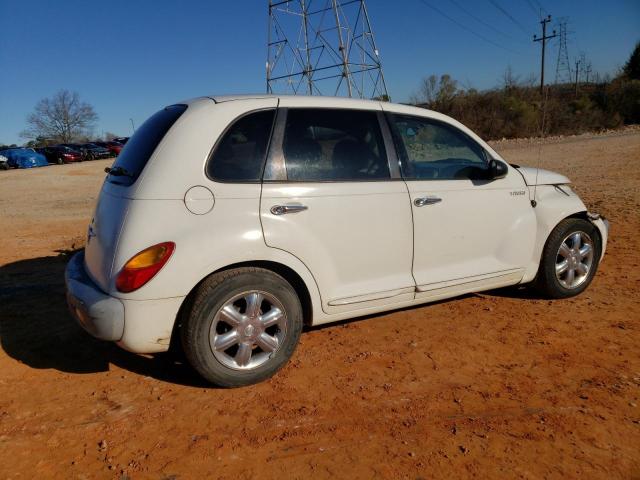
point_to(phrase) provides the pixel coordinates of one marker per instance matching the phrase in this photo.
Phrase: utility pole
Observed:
(543, 39)
(577, 73)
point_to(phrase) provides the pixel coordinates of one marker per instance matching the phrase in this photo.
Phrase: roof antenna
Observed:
(545, 96)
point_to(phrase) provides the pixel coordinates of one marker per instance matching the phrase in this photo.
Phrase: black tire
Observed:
(59, 161)
(210, 297)
(546, 282)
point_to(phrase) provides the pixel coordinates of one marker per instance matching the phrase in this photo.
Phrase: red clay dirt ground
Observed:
(495, 385)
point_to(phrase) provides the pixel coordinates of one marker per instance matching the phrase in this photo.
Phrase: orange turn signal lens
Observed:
(143, 266)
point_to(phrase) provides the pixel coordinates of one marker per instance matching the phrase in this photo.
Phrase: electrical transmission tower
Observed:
(323, 47)
(563, 67)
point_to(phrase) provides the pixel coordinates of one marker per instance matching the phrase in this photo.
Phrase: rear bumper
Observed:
(140, 326)
(101, 315)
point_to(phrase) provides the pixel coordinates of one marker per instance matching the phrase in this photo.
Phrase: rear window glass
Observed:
(141, 145)
(240, 155)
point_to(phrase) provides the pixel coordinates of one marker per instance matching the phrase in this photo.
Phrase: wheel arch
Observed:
(553, 206)
(582, 214)
(285, 271)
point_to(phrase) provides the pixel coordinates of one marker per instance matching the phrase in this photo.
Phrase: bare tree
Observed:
(427, 92)
(509, 79)
(437, 94)
(61, 118)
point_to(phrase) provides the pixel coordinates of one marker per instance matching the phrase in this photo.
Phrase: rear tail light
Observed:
(143, 266)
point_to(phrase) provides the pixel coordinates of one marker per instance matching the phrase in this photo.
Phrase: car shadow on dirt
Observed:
(37, 329)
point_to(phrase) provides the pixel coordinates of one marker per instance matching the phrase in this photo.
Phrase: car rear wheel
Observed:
(242, 326)
(59, 161)
(570, 259)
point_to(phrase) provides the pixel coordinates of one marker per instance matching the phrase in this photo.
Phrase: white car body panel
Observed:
(360, 248)
(553, 204)
(356, 238)
(476, 229)
(540, 176)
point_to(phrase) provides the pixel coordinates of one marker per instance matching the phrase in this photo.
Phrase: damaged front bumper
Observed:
(602, 224)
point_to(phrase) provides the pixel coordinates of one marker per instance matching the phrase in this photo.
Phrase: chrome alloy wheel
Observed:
(574, 260)
(248, 330)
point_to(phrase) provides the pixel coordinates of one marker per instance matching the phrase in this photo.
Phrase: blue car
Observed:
(24, 158)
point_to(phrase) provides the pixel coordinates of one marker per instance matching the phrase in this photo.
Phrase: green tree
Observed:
(632, 67)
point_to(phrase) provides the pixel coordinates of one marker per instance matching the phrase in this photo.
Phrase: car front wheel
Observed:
(242, 326)
(570, 259)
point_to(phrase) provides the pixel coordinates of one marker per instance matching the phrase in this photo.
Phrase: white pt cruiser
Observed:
(228, 223)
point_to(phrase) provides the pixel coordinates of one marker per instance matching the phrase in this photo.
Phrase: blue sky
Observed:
(130, 57)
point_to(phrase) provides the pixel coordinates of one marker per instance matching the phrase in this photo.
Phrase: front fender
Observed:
(554, 203)
(602, 224)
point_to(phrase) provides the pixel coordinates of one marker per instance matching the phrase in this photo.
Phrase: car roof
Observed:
(317, 101)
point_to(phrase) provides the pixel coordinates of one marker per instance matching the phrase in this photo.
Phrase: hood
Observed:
(538, 176)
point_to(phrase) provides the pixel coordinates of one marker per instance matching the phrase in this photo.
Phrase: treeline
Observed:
(517, 108)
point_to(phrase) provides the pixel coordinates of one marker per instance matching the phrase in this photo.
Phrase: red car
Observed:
(113, 147)
(60, 154)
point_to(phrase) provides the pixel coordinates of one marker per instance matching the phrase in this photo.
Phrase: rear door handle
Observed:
(422, 201)
(283, 209)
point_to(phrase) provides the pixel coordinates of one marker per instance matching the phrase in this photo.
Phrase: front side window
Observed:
(240, 155)
(431, 150)
(334, 145)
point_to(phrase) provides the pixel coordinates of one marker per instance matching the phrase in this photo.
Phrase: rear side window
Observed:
(240, 154)
(141, 145)
(334, 145)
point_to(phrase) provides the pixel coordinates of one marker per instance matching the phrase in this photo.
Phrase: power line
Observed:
(509, 16)
(535, 10)
(486, 24)
(539, 10)
(542, 9)
(470, 30)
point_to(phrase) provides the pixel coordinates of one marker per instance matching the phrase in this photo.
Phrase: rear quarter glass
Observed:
(139, 148)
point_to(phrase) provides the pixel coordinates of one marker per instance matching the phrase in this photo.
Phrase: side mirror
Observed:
(497, 169)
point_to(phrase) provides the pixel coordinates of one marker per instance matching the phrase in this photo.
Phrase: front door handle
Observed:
(283, 209)
(422, 201)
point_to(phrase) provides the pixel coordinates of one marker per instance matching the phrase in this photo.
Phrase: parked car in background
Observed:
(114, 147)
(24, 158)
(95, 152)
(76, 147)
(308, 210)
(3, 163)
(60, 154)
